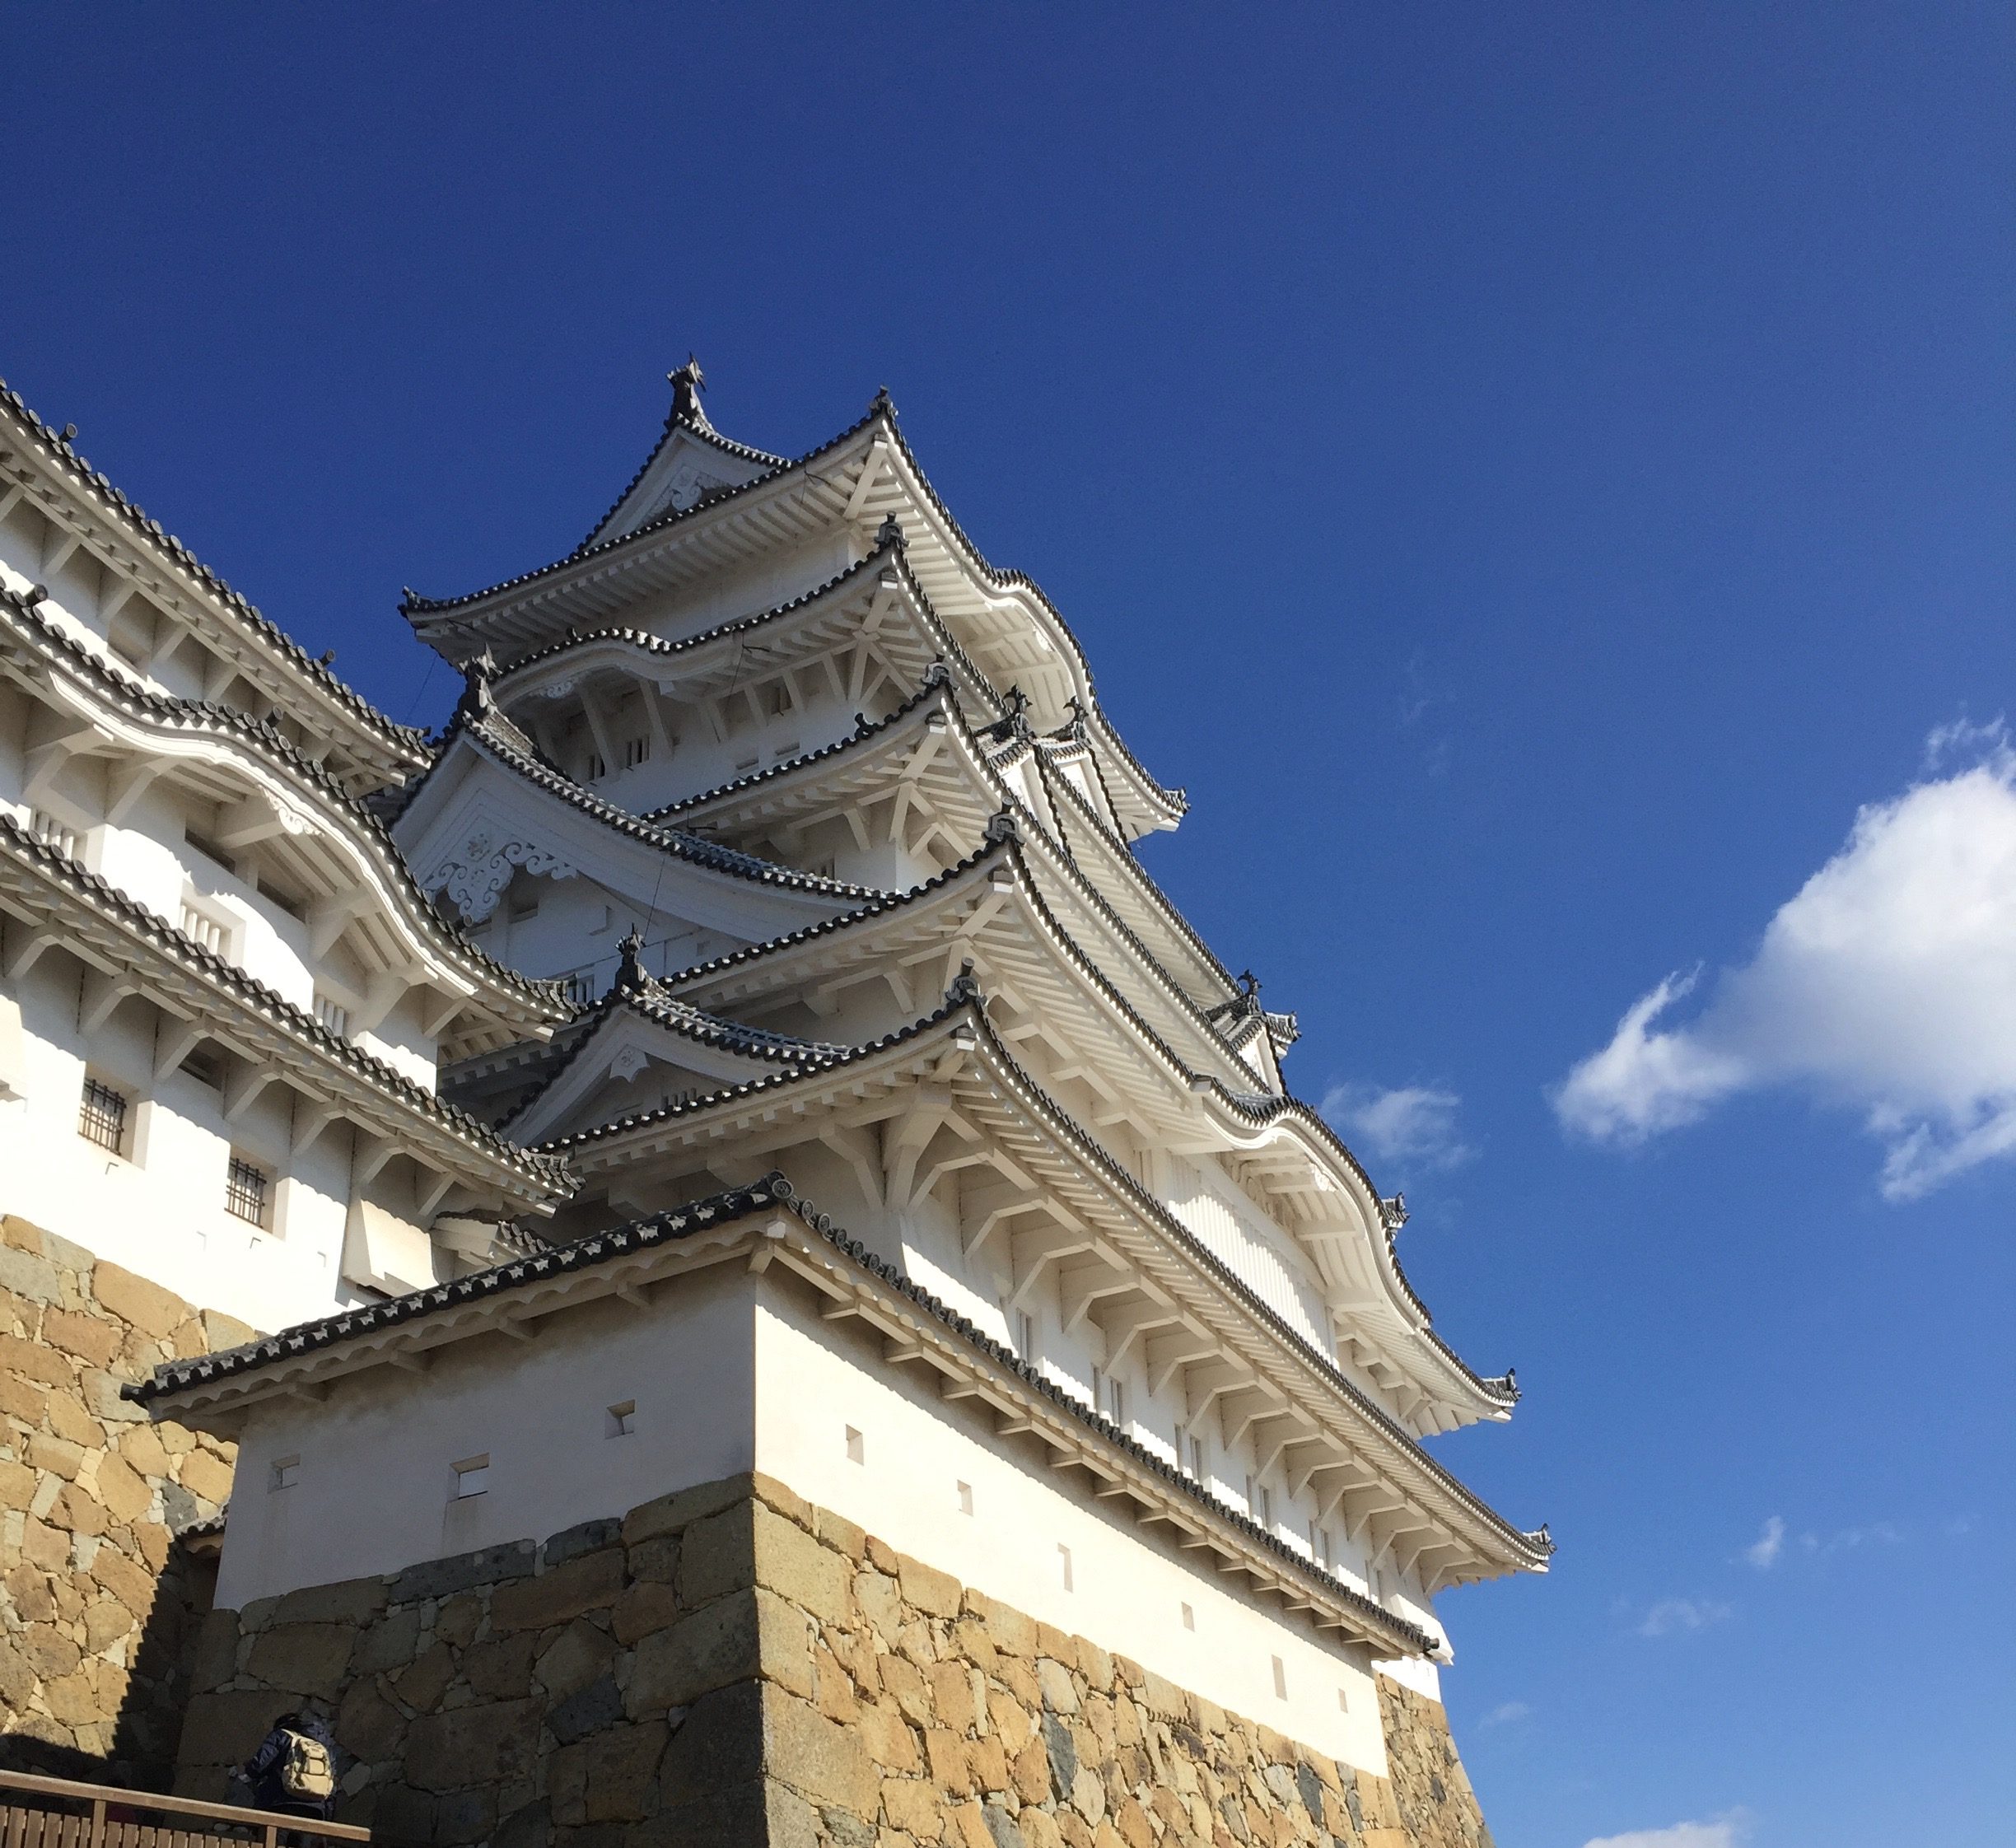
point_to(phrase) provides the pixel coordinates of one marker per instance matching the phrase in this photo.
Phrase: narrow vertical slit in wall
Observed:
(1281, 1679)
(857, 1446)
(1064, 1558)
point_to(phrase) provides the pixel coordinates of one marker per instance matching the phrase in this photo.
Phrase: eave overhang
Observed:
(569, 807)
(826, 620)
(279, 792)
(639, 1015)
(991, 907)
(768, 1228)
(956, 1051)
(861, 477)
(965, 783)
(43, 466)
(59, 904)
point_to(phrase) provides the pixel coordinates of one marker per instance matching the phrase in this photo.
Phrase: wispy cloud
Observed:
(1886, 984)
(1670, 1615)
(1763, 1552)
(1850, 1539)
(1410, 1125)
(1507, 1714)
(1721, 1832)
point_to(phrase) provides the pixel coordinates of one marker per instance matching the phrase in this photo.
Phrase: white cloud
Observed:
(1886, 984)
(1506, 1715)
(1876, 1533)
(1409, 1126)
(1671, 1614)
(1763, 1552)
(1721, 1832)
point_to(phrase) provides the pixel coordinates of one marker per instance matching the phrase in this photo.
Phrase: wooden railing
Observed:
(55, 1812)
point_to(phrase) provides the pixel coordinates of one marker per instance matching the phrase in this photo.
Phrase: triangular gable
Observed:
(689, 464)
(641, 1050)
(476, 821)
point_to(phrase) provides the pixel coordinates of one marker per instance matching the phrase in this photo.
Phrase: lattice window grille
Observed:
(101, 1116)
(246, 1188)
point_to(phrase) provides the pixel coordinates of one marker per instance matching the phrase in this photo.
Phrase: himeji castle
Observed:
(818, 1317)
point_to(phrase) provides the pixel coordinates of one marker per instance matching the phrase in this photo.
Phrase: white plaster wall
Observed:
(1126, 1591)
(158, 1209)
(375, 1490)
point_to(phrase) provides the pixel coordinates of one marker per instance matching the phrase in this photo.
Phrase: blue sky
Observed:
(1538, 475)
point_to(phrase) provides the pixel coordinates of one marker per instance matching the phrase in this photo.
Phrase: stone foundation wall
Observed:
(98, 1601)
(730, 1666)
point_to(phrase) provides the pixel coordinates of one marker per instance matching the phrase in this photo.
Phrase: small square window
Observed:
(285, 1472)
(965, 1498)
(472, 1477)
(597, 766)
(621, 1420)
(333, 1015)
(101, 1116)
(1281, 1679)
(636, 751)
(247, 1191)
(857, 1446)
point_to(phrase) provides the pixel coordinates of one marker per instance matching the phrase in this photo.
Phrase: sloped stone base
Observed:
(729, 1666)
(97, 1602)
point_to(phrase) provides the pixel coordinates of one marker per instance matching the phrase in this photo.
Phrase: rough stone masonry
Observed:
(98, 1601)
(730, 1666)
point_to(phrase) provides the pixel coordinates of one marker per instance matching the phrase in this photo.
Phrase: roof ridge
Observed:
(675, 422)
(412, 604)
(156, 536)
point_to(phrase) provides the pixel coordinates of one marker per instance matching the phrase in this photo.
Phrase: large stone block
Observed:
(608, 1777)
(494, 1744)
(593, 1582)
(576, 1657)
(828, 1763)
(149, 1308)
(352, 1601)
(719, 1745)
(368, 1726)
(789, 1561)
(488, 1565)
(307, 1658)
(32, 1361)
(674, 1513)
(90, 1337)
(225, 1729)
(717, 1644)
(717, 1554)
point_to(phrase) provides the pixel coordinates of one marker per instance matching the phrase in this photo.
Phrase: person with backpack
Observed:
(294, 1770)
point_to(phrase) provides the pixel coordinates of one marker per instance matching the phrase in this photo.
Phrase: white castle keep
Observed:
(744, 1042)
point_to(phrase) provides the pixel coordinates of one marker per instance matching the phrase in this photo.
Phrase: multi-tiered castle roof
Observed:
(819, 814)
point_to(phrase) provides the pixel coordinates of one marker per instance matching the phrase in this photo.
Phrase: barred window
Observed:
(101, 1116)
(247, 1186)
(333, 1015)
